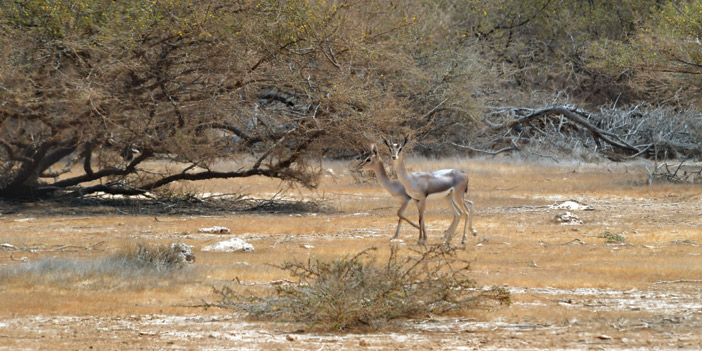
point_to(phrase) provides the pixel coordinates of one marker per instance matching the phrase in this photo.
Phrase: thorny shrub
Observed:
(358, 291)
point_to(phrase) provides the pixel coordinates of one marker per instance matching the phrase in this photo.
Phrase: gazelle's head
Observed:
(369, 160)
(396, 148)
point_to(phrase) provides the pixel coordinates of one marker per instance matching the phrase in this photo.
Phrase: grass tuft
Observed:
(139, 267)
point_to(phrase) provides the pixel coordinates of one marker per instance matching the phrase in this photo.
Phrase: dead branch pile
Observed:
(616, 133)
(674, 172)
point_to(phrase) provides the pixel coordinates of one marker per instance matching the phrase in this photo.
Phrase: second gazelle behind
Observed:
(445, 183)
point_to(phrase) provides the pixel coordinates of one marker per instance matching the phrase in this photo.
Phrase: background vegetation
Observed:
(113, 88)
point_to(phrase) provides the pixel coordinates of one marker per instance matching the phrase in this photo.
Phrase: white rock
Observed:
(572, 205)
(231, 245)
(215, 230)
(567, 218)
(8, 246)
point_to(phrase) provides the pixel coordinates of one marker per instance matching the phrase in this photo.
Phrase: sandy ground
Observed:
(570, 288)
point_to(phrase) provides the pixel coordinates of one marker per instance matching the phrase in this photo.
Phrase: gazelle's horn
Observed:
(385, 141)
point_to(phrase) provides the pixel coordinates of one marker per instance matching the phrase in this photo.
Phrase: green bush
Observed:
(612, 238)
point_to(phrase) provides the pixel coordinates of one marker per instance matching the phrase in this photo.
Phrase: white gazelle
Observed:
(373, 163)
(445, 183)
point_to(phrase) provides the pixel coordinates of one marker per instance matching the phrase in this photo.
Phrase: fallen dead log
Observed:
(575, 241)
(49, 248)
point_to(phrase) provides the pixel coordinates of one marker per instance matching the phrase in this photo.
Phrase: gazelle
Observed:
(373, 163)
(447, 183)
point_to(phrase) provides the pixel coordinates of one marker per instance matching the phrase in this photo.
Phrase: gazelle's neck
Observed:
(383, 177)
(400, 169)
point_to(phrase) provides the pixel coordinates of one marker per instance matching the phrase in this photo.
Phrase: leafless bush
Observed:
(358, 291)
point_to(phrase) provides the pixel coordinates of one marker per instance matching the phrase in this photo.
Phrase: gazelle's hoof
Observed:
(475, 232)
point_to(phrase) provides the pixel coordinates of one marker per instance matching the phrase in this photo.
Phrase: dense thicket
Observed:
(131, 96)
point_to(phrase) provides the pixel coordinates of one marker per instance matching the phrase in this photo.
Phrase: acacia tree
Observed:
(128, 97)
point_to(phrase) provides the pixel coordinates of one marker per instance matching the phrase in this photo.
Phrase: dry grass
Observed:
(518, 245)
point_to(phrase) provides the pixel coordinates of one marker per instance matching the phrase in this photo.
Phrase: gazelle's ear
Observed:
(373, 150)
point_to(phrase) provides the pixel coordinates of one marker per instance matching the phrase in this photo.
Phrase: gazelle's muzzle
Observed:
(395, 150)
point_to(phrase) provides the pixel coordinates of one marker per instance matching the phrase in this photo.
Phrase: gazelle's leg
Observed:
(457, 202)
(457, 214)
(399, 220)
(469, 206)
(401, 213)
(421, 206)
